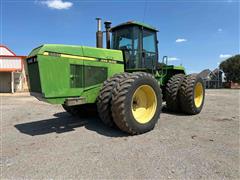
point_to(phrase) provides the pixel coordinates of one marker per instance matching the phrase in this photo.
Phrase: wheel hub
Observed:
(144, 104)
(198, 94)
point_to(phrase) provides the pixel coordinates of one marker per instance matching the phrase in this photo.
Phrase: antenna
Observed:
(145, 10)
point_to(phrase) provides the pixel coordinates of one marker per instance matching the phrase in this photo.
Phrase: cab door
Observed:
(149, 49)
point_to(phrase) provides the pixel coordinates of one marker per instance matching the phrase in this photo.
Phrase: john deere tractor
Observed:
(125, 80)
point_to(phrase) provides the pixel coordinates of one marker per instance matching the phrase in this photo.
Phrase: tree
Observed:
(231, 68)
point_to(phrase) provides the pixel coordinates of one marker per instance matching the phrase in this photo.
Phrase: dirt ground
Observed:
(41, 141)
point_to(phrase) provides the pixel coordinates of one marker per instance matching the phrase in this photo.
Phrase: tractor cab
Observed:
(138, 42)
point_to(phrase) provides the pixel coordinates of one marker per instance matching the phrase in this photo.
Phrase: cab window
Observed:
(149, 48)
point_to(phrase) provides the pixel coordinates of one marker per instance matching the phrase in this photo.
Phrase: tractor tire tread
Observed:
(187, 96)
(119, 95)
(105, 96)
(172, 93)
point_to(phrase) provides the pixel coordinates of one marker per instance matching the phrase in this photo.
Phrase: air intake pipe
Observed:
(99, 33)
(108, 27)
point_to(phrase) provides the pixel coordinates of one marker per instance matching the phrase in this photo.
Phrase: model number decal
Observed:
(108, 61)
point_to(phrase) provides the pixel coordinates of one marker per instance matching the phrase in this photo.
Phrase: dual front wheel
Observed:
(133, 103)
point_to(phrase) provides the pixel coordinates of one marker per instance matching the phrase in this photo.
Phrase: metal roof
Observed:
(135, 23)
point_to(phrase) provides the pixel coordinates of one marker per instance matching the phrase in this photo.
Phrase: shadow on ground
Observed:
(64, 122)
(166, 111)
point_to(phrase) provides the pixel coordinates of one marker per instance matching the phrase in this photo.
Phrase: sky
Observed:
(197, 34)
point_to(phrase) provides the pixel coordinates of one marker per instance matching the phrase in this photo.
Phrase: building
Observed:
(13, 71)
(212, 79)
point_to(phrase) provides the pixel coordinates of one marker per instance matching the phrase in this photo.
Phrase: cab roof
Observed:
(134, 23)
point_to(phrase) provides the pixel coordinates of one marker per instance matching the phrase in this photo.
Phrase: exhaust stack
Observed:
(107, 27)
(99, 34)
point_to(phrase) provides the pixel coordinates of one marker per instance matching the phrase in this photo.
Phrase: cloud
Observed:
(173, 59)
(220, 30)
(225, 56)
(179, 40)
(57, 4)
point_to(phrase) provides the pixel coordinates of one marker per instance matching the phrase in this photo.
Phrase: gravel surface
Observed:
(42, 141)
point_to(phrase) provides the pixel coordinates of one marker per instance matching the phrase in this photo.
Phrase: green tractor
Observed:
(124, 80)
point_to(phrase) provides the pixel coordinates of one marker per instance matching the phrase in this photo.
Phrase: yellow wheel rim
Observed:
(198, 94)
(144, 104)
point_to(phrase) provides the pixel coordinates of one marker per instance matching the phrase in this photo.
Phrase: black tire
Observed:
(187, 94)
(105, 97)
(84, 110)
(172, 93)
(122, 103)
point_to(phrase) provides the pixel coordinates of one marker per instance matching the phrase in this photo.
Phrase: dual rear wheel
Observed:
(185, 94)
